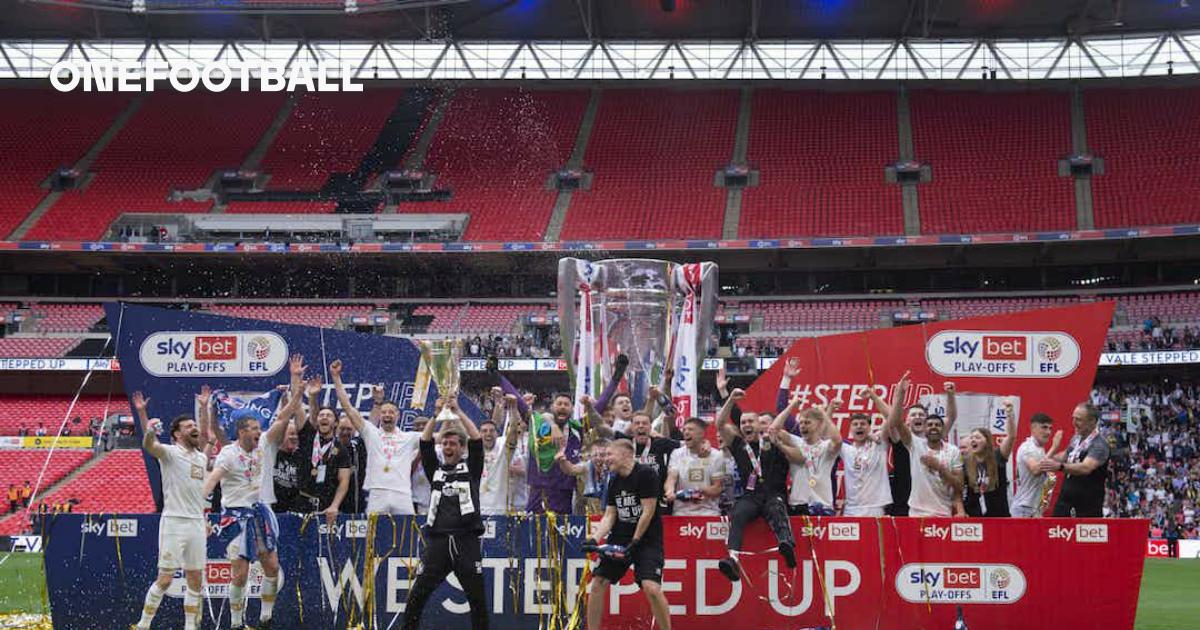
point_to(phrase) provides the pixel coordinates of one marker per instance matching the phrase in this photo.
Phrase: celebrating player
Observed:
(181, 528)
(633, 527)
(936, 465)
(764, 467)
(1031, 482)
(390, 453)
(864, 460)
(697, 474)
(454, 525)
(247, 494)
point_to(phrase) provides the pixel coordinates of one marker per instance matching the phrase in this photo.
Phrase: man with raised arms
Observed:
(936, 465)
(390, 453)
(182, 530)
(247, 492)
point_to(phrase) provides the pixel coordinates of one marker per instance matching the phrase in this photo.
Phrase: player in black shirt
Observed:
(633, 526)
(453, 526)
(764, 466)
(327, 479)
(654, 452)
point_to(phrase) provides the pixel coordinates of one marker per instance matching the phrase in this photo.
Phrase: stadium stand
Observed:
(116, 483)
(48, 132)
(1148, 146)
(327, 133)
(19, 466)
(848, 315)
(1155, 472)
(821, 159)
(139, 169)
(35, 347)
(995, 161)
(441, 318)
(654, 156)
(320, 316)
(30, 411)
(495, 149)
(65, 318)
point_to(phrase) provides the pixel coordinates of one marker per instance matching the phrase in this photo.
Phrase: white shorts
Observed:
(384, 501)
(1020, 511)
(182, 543)
(863, 511)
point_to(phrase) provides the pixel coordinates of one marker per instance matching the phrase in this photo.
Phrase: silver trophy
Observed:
(658, 314)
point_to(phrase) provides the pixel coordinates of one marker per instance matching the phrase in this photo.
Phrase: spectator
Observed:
(14, 497)
(41, 430)
(26, 494)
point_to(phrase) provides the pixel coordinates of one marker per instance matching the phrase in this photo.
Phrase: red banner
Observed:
(900, 574)
(1045, 359)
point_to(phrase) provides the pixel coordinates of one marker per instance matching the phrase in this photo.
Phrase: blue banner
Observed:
(99, 567)
(169, 354)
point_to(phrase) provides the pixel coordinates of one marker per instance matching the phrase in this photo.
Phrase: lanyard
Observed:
(1076, 455)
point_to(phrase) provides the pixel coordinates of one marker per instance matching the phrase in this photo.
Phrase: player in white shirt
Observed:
(815, 452)
(936, 465)
(244, 468)
(1031, 482)
(494, 487)
(390, 453)
(864, 465)
(696, 476)
(182, 534)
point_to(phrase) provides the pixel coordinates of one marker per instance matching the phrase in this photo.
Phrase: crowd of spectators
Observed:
(536, 345)
(1155, 472)
(1157, 336)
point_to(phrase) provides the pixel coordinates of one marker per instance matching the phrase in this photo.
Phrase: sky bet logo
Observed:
(207, 354)
(113, 528)
(208, 348)
(1002, 353)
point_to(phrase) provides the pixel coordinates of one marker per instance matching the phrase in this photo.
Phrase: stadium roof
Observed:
(590, 19)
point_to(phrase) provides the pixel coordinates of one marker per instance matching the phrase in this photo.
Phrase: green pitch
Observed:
(1168, 600)
(21, 583)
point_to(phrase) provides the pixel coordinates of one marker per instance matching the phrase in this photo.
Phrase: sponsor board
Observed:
(112, 528)
(65, 441)
(218, 575)
(960, 583)
(866, 583)
(213, 354)
(1157, 548)
(25, 544)
(955, 532)
(1080, 533)
(1002, 353)
(354, 528)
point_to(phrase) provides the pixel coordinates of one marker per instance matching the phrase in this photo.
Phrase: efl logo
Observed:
(966, 532)
(223, 348)
(843, 531)
(1091, 533)
(1004, 348)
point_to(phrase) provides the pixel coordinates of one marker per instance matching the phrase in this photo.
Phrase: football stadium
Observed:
(584, 314)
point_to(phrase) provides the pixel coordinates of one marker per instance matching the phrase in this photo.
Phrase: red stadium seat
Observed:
(495, 149)
(995, 161)
(821, 159)
(654, 155)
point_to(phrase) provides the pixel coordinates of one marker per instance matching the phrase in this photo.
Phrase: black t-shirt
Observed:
(774, 466)
(447, 493)
(900, 479)
(289, 467)
(333, 458)
(656, 455)
(995, 500)
(356, 455)
(626, 494)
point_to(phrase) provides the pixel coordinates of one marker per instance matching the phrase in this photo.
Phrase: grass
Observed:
(23, 583)
(1168, 600)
